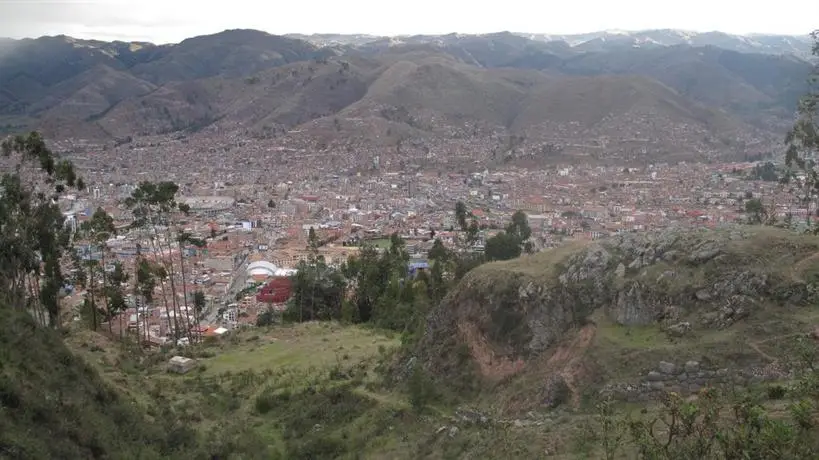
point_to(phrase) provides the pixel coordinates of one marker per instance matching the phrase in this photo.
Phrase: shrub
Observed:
(776, 392)
(421, 389)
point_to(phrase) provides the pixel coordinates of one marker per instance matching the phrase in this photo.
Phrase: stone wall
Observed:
(689, 378)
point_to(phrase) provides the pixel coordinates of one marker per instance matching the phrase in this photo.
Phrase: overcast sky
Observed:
(166, 21)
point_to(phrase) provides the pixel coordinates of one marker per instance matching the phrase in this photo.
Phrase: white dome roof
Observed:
(262, 267)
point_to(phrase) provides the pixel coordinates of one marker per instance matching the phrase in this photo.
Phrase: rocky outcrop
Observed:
(689, 378)
(505, 315)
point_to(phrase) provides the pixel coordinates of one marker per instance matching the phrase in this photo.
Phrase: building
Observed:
(276, 291)
(415, 267)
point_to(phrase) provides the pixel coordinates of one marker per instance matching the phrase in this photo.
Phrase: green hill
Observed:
(567, 323)
(54, 405)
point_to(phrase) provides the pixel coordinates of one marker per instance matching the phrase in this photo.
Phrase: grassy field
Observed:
(302, 346)
(381, 243)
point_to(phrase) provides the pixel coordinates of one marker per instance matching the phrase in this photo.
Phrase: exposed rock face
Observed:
(505, 315)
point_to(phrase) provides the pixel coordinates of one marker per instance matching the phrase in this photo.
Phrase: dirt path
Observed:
(755, 346)
(567, 360)
(771, 359)
(798, 267)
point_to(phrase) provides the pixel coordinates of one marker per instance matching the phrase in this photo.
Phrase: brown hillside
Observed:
(448, 93)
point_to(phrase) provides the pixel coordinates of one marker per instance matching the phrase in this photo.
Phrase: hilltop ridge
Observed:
(703, 97)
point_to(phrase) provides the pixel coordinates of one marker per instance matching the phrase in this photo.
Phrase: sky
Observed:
(170, 21)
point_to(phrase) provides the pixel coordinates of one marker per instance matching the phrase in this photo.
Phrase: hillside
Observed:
(445, 92)
(54, 405)
(717, 307)
(512, 364)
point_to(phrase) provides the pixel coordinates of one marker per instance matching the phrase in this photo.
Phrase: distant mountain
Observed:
(32, 69)
(420, 89)
(799, 45)
(756, 43)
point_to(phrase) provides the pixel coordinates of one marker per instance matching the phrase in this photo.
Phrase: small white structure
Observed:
(181, 365)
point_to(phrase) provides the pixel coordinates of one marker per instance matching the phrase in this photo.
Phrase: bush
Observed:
(421, 389)
(266, 318)
(776, 392)
(264, 402)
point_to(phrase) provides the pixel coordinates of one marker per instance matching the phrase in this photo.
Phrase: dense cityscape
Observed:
(263, 224)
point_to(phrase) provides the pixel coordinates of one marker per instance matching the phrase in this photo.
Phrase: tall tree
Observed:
(312, 241)
(318, 290)
(198, 305)
(97, 230)
(512, 242)
(503, 246)
(803, 138)
(152, 206)
(461, 215)
(115, 295)
(519, 226)
(184, 239)
(34, 240)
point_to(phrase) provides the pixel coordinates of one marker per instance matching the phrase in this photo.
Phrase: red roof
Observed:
(277, 290)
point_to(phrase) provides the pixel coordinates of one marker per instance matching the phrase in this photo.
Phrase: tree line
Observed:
(376, 286)
(42, 259)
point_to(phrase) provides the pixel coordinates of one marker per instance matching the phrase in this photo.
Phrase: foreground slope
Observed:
(628, 315)
(54, 405)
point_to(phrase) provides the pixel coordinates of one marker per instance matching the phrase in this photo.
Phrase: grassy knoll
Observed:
(302, 346)
(296, 391)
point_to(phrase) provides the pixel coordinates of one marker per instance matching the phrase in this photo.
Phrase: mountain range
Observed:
(663, 90)
(603, 40)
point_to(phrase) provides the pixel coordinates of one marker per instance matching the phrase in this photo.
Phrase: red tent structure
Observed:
(277, 290)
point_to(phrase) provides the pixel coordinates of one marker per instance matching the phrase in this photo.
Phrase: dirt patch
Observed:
(567, 361)
(491, 366)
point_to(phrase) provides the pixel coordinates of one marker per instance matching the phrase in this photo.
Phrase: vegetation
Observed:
(54, 404)
(153, 206)
(33, 235)
(803, 138)
(766, 171)
(719, 423)
(511, 243)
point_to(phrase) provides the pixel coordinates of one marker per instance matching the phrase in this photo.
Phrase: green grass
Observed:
(630, 336)
(53, 404)
(301, 347)
(381, 243)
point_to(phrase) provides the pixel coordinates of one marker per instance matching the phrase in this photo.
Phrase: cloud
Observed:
(164, 21)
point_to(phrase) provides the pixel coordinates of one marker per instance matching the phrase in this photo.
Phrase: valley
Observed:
(328, 246)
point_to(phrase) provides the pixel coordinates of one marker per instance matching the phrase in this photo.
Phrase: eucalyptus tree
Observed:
(97, 231)
(199, 301)
(152, 206)
(183, 239)
(115, 296)
(34, 240)
(803, 138)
